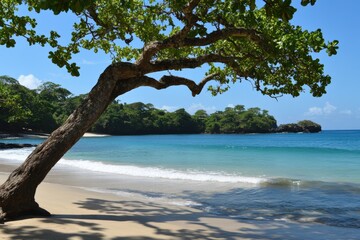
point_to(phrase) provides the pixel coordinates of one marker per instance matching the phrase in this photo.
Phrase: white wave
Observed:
(16, 154)
(153, 172)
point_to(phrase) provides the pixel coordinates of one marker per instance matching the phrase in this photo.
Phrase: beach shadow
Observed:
(34, 232)
(153, 215)
(156, 216)
(149, 215)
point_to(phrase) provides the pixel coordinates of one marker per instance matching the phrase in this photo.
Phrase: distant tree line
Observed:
(45, 108)
(41, 110)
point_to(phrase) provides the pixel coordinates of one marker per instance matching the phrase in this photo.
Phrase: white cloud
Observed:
(191, 109)
(29, 81)
(231, 105)
(326, 110)
(87, 62)
(314, 111)
(198, 106)
(169, 108)
(346, 112)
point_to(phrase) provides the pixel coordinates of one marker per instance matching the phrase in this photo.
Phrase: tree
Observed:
(13, 102)
(213, 122)
(22, 108)
(238, 120)
(182, 122)
(228, 121)
(66, 107)
(309, 126)
(237, 40)
(53, 92)
(256, 121)
(200, 117)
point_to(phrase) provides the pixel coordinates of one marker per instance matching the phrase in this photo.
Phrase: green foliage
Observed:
(13, 101)
(140, 118)
(22, 108)
(239, 120)
(200, 117)
(276, 56)
(309, 126)
(306, 2)
(302, 126)
(59, 6)
(47, 107)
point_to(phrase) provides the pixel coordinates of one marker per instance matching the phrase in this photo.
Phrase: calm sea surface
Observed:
(284, 177)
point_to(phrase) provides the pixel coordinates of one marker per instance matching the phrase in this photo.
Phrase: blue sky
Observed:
(338, 109)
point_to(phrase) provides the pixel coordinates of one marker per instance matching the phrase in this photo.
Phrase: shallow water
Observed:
(284, 177)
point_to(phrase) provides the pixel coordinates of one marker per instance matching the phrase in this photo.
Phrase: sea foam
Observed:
(155, 172)
(17, 155)
(137, 171)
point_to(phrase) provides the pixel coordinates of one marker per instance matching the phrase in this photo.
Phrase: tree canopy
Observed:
(236, 40)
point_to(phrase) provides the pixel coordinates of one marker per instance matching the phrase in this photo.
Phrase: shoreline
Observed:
(89, 134)
(43, 135)
(80, 213)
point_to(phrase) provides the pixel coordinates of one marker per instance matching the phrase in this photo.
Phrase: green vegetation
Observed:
(41, 110)
(47, 107)
(23, 108)
(309, 126)
(140, 118)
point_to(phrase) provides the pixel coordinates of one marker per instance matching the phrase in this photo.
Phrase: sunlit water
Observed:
(285, 177)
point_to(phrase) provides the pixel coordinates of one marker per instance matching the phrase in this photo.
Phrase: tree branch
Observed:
(191, 6)
(189, 18)
(176, 41)
(182, 63)
(164, 82)
(153, 47)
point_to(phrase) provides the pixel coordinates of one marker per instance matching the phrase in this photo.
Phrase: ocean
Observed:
(307, 178)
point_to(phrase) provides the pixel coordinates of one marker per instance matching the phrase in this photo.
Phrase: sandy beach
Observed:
(81, 214)
(89, 134)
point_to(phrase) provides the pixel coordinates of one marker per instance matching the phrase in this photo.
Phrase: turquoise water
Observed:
(332, 156)
(296, 177)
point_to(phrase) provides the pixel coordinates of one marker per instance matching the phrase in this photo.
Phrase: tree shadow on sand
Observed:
(34, 232)
(151, 215)
(154, 216)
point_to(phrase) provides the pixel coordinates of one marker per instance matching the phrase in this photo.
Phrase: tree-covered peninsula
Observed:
(47, 107)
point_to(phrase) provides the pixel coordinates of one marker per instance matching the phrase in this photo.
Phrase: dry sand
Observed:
(82, 214)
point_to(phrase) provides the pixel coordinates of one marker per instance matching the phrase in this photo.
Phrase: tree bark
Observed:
(17, 194)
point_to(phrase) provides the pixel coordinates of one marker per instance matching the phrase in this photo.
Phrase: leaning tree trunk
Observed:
(17, 194)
